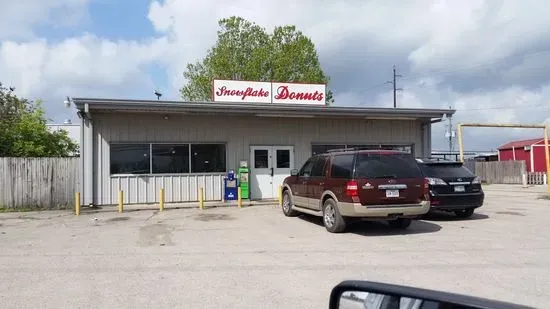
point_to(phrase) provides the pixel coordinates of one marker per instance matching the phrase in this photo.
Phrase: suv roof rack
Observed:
(435, 159)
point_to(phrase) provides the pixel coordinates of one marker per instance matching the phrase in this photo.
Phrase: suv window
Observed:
(386, 166)
(445, 170)
(306, 168)
(318, 168)
(342, 166)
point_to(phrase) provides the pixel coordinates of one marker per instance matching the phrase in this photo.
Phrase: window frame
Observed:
(150, 144)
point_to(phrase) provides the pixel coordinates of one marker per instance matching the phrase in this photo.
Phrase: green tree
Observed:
(23, 130)
(245, 51)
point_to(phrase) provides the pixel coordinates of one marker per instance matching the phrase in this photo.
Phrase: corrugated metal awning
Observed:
(265, 110)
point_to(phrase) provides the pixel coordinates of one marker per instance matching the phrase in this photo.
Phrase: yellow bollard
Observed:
(201, 198)
(120, 201)
(161, 202)
(280, 196)
(77, 203)
(239, 197)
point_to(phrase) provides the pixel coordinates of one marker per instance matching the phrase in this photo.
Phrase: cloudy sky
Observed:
(489, 60)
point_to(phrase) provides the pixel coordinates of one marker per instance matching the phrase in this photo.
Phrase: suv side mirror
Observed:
(293, 172)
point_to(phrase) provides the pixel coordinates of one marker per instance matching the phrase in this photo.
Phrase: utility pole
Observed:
(450, 133)
(394, 83)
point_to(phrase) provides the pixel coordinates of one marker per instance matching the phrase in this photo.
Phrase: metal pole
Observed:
(120, 201)
(394, 89)
(460, 146)
(161, 197)
(201, 198)
(239, 197)
(77, 203)
(547, 157)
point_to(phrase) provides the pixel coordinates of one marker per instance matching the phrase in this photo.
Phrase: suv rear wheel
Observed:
(401, 223)
(333, 221)
(287, 205)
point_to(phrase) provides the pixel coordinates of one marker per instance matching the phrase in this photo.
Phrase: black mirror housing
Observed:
(367, 294)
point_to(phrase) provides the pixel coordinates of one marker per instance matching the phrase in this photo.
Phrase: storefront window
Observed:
(167, 158)
(317, 149)
(170, 159)
(130, 158)
(207, 158)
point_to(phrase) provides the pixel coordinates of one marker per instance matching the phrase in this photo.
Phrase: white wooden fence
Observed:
(508, 172)
(38, 182)
(536, 178)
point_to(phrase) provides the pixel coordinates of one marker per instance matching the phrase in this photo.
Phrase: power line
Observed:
(394, 83)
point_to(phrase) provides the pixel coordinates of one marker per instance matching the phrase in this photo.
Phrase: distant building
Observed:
(486, 156)
(73, 130)
(530, 150)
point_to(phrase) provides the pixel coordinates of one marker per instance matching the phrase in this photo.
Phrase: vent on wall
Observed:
(527, 148)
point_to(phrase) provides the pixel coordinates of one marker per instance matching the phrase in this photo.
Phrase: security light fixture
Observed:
(158, 94)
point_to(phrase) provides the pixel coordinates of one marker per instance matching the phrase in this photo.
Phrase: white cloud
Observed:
(434, 36)
(19, 18)
(86, 62)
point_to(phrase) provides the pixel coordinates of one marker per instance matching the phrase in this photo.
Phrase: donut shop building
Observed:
(140, 146)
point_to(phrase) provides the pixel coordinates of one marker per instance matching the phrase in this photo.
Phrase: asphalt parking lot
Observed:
(255, 257)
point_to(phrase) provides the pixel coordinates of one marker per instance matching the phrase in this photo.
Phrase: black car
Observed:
(453, 187)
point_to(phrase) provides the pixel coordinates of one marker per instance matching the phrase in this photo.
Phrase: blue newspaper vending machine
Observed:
(230, 186)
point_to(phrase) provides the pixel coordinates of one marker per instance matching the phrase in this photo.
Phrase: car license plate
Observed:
(392, 193)
(459, 189)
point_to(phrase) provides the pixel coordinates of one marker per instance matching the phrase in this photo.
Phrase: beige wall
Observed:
(239, 133)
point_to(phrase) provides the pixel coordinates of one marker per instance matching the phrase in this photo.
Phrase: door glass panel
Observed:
(283, 158)
(261, 158)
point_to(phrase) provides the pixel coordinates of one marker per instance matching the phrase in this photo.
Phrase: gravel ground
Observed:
(255, 257)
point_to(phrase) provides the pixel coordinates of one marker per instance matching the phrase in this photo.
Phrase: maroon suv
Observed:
(346, 184)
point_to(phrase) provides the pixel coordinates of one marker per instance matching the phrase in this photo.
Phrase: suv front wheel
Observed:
(333, 221)
(287, 205)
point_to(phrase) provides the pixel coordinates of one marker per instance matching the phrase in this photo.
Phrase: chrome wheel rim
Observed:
(286, 203)
(329, 216)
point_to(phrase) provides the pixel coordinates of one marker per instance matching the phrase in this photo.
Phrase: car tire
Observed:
(465, 213)
(332, 220)
(401, 223)
(287, 205)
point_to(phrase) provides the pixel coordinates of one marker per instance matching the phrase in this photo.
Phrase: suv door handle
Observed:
(321, 183)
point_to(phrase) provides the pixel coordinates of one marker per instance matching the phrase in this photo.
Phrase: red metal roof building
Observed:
(530, 150)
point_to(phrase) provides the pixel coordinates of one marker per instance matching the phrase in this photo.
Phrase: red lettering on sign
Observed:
(249, 92)
(284, 94)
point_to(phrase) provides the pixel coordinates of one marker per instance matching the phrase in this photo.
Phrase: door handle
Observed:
(321, 183)
(272, 172)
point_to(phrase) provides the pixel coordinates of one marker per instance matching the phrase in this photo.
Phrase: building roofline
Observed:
(272, 110)
(521, 143)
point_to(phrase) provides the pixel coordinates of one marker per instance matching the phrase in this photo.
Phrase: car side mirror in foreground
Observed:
(375, 295)
(293, 172)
